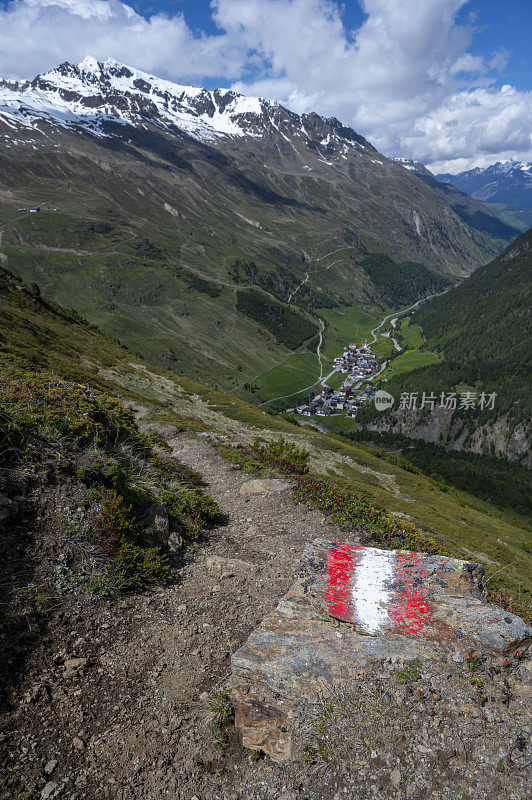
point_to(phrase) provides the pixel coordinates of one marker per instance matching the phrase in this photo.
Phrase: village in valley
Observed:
(360, 365)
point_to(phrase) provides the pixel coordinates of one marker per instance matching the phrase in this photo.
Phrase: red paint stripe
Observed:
(413, 611)
(337, 593)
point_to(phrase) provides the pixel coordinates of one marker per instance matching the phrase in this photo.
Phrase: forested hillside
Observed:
(485, 322)
(399, 284)
(482, 328)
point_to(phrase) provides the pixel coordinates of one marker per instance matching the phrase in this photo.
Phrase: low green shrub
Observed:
(192, 509)
(282, 450)
(410, 672)
(222, 715)
(243, 460)
(39, 404)
(348, 507)
(83, 474)
(134, 563)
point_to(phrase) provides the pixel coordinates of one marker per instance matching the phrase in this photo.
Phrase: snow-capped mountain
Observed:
(509, 182)
(469, 208)
(184, 220)
(264, 168)
(96, 95)
(414, 166)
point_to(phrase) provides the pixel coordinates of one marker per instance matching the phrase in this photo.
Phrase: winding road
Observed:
(323, 380)
(404, 311)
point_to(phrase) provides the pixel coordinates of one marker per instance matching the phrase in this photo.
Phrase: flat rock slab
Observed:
(394, 604)
(265, 486)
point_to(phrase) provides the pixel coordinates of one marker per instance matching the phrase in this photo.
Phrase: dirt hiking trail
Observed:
(112, 702)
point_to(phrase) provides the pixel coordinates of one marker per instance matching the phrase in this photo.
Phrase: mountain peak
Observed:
(414, 166)
(94, 96)
(507, 182)
(89, 64)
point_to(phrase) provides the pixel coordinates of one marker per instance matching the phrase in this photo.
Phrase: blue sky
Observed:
(504, 24)
(497, 24)
(448, 82)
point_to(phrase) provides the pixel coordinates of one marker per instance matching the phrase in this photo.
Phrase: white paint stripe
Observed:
(371, 598)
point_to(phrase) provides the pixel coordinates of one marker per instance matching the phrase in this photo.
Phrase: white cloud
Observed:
(405, 79)
(36, 35)
(470, 128)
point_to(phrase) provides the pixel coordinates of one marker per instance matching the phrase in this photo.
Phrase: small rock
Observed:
(395, 776)
(216, 588)
(204, 696)
(48, 790)
(75, 663)
(50, 766)
(457, 656)
(78, 743)
(8, 508)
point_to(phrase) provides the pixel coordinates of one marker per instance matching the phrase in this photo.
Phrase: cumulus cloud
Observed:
(406, 79)
(36, 35)
(475, 128)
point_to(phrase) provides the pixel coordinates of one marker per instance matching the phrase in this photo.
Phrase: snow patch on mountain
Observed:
(93, 95)
(503, 182)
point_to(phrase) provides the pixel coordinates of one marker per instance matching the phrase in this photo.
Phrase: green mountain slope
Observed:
(482, 328)
(37, 335)
(486, 321)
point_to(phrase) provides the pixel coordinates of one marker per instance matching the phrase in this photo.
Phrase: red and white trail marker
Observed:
(395, 605)
(376, 589)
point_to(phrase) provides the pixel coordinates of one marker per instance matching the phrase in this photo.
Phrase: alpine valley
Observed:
(205, 229)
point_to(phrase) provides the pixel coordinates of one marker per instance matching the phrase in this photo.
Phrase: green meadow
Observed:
(411, 359)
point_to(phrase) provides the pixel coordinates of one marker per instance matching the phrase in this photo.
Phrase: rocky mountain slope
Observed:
(509, 182)
(469, 208)
(161, 204)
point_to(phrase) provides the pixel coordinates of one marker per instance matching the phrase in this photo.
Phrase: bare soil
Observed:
(130, 721)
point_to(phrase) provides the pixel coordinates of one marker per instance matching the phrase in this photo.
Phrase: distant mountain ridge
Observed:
(470, 209)
(94, 94)
(509, 182)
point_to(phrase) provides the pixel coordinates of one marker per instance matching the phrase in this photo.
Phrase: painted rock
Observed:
(395, 604)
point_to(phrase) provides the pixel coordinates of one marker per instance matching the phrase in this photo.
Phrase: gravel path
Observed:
(130, 722)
